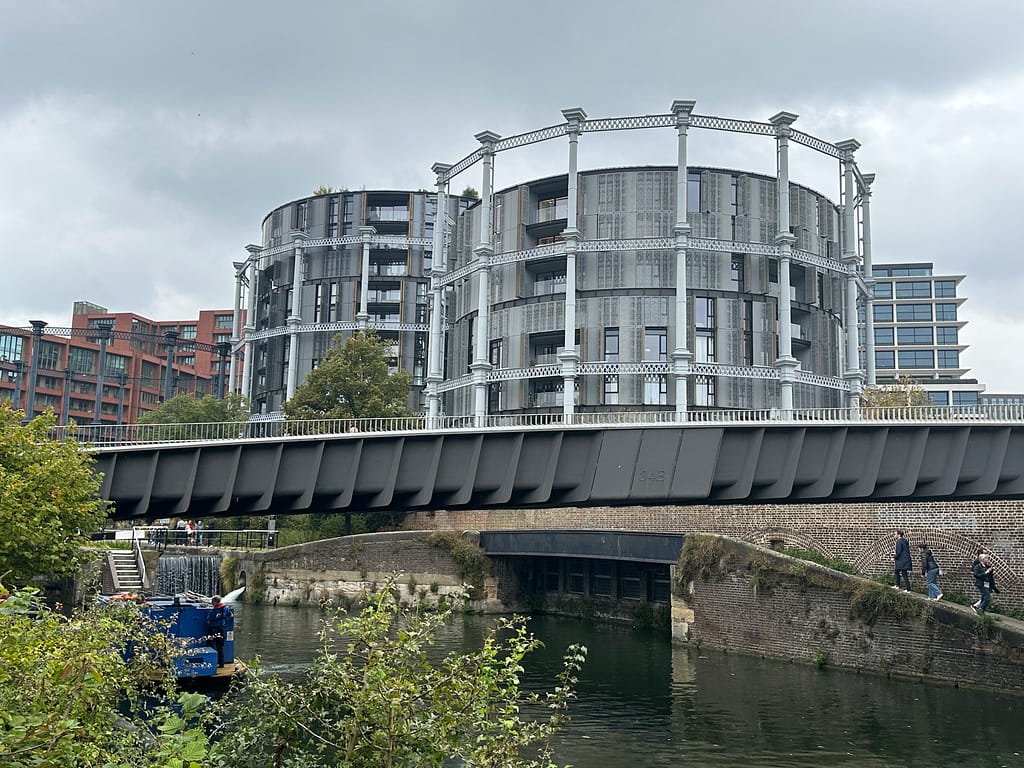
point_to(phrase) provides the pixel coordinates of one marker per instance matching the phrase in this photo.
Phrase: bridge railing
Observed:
(139, 434)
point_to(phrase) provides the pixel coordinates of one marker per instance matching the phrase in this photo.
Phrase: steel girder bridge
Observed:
(557, 465)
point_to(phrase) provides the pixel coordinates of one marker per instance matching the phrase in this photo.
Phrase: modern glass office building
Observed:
(918, 328)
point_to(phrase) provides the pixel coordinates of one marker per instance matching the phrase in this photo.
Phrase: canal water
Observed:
(645, 703)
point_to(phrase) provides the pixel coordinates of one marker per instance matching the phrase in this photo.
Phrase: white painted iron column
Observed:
(250, 320)
(236, 325)
(569, 357)
(435, 371)
(869, 278)
(294, 315)
(785, 363)
(363, 315)
(680, 353)
(853, 375)
(481, 364)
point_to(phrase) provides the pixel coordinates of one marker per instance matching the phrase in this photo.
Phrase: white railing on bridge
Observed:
(139, 434)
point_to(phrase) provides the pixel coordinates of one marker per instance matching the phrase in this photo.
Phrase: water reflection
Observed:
(646, 703)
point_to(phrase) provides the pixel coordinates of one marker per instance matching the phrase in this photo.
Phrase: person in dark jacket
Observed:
(218, 619)
(903, 561)
(982, 571)
(930, 571)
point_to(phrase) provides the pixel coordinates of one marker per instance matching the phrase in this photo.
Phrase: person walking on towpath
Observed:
(930, 571)
(903, 562)
(982, 571)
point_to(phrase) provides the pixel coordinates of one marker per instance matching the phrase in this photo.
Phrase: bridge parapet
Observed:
(103, 435)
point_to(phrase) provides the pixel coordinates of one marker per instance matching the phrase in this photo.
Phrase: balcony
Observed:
(551, 210)
(377, 297)
(380, 213)
(549, 286)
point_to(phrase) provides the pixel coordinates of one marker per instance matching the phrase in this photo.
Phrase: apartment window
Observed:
(913, 313)
(914, 289)
(656, 344)
(223, 321)
(655, 389)
(939, 398)
(734, 182)
(965, 398)
(82, 360)
(611, 345)
(948, 358)
(495, 353)
(916, 358)
(300, 216)
(885, 358)
(704, 390)
(945, 311)
(704, 312)
(882, 312)
(882, 291)
(945, 289)
(332, 218)
(736, 271)
(220, 338)
(332, 304)
(883, 336)
(773, 270)
(946, 334)
(318, 300)
(189, 360)
(10, 349)
(115, 365)
(611, 390)
(188, 332)
(915, 335)
(704, 343)
(693, 192)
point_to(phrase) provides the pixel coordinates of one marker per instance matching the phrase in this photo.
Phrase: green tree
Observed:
(471, 193)
(49, 499)
(382, 703)
(322, 190)
(352, 382)
(189, 409)
(70, 695)
(903, 393)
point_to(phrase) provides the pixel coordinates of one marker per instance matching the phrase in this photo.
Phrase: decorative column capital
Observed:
(682, 108)
(783, 122)
(785, 241)
(254, 250)
(297, 236)
(848, 147)
(867, 179)
(487, 139)
(366, 232)
(441, 171)
(37, 326)
(574, 116)
(483, 253)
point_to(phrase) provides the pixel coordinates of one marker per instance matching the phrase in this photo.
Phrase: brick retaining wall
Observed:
(789, 616)
(860, 534)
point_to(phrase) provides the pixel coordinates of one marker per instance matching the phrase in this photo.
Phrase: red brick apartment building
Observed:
(134, 350)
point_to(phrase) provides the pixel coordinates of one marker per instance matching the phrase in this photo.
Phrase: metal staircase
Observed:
(127, 569)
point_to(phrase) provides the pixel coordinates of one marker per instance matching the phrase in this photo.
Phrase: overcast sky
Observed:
(142, 143)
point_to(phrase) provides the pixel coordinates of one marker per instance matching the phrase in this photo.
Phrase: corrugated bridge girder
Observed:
(567, 466)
